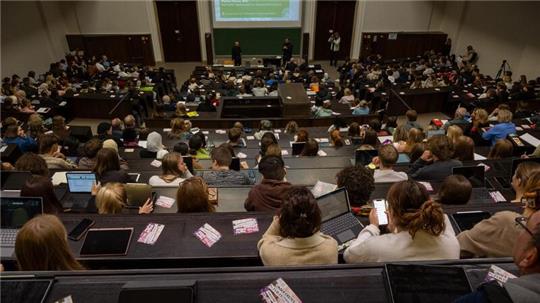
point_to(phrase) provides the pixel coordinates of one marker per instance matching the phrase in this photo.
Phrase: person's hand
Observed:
(427, 156)
(7, 166)
(373, 219)
(58, 154)
(182, 167)
(147, 208)
(244, 165)
(95, 188)
(20, 132)
(376, 161)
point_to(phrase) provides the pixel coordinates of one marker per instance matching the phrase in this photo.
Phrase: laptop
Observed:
(475, 175)
(25, 290)
(364, 157)
(235, 164)
(14, 180)
(79, 189)
(15, 212)
(467, 219)
(297, 148)
(337, 219)
(407, 283)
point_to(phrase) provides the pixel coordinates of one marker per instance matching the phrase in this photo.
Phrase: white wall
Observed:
(497, 30)
(33, 36)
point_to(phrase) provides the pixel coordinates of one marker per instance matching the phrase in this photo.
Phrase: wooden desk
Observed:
(96, 105)
(294, 100)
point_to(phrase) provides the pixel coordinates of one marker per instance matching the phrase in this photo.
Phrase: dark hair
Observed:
(222, 155)
(455, 190)
(41, 186)
(411, 209)
(302, 135)
(354, 130)
(92, 147)
(46, 143)
(32, 163)
(107, 160)
(272, 168)
(440, 146)
(388, 155)
(103, 127)
(412, 115)
(464, 149)
(192, 196)
(375, 124)
(299, 216)
(370, 138)
(311, 148)
(12, 131)
(266, 140)
(181, 148)
(234, 134)
(503, 148)
(196, 142)
(359, 183)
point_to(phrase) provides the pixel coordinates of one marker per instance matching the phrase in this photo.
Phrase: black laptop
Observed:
(16, 211)
(337, 219)
(467, 219)
(364, 157)
(297, 148)
(14, 180)
(25, 290)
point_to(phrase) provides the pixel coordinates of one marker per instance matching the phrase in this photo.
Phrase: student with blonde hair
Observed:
(174, 171)
(112, 199)
(41, 245)
(501, 130)
(453, 132)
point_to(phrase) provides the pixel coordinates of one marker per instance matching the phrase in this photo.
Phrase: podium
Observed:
(294, 100)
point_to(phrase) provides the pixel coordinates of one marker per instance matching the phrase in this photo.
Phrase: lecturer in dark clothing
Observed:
(237, 54)
(287, 51)
(335, 42)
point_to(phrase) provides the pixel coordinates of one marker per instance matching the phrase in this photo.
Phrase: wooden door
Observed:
(140, 49)
(337, 16)
(179, 27)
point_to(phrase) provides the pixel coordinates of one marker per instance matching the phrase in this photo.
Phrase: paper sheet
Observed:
(59, 178)
(479, 157)
(321, 188)
(530, 139)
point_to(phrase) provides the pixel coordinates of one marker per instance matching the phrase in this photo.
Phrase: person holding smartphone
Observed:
(419, 229)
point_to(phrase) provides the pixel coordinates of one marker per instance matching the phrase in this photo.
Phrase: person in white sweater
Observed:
(419, 230)
(174, 171)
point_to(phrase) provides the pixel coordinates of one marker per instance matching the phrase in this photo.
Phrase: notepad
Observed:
(530, 139)
(479, 157)
(382, 139)
(59, 178)
(142, 143)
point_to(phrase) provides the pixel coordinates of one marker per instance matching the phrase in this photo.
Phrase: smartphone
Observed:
(380, 206)
(213, 195)
(78, 232)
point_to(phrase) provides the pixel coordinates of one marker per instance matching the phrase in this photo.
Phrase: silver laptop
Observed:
(337, 219)
(16, 211)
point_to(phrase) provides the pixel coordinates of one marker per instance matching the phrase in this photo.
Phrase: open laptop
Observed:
(297, 148)
(14, 180)
(475, 175)
(337, 219)
(25, 290)
(79, 189)
(364, 157)
(16, 211)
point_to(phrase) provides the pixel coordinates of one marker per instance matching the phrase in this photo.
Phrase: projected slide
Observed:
(256, 10)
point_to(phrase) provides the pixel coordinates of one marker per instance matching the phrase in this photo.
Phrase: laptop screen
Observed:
(364, 157)
(80, 182)
(34, 290)
(13, 180)
(16, 211)
(333, 204)
(475, 174)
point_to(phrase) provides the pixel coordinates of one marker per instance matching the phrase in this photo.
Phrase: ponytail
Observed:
(429, 218)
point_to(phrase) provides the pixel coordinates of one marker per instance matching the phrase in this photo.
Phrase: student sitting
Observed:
(503, 148)
(495, 237)
(435, 163)
(323, 111)
(15, 135)
(39, 185)
(459, 118)
(112, 199)
(521, 176)
(154, 147)
(105, 132)
(130, 135)
(455, 190)
(41, 245)
(359, 183)
(294, 237)
(302, 135)
(174, 171)
(197, 145)
(49, 150)
(193, 196)
(311, 148)
(335, 138)
(90, 150)
(412, 116)
(268, 195)
(360, 108)
(464, 148)
(501, 130)
(177, 130)
(112, 145)
(108, 168)
(235, 137)
(419, 230)
(388, 156)
(221, 174)
(265, 127)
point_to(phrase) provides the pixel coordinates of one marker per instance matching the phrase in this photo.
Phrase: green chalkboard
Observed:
(256, 41)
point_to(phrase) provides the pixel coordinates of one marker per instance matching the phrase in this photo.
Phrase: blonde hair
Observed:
(41, 244)
(454, 132)
(111, 198)
(481, 115)
(504, 116)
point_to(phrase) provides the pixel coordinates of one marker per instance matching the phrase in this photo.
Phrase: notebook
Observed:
(337, 219)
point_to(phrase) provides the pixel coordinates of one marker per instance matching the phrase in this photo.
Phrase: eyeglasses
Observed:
(522, 222)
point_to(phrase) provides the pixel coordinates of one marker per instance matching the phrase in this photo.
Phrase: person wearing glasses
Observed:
(526, 255)
(496, 236)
